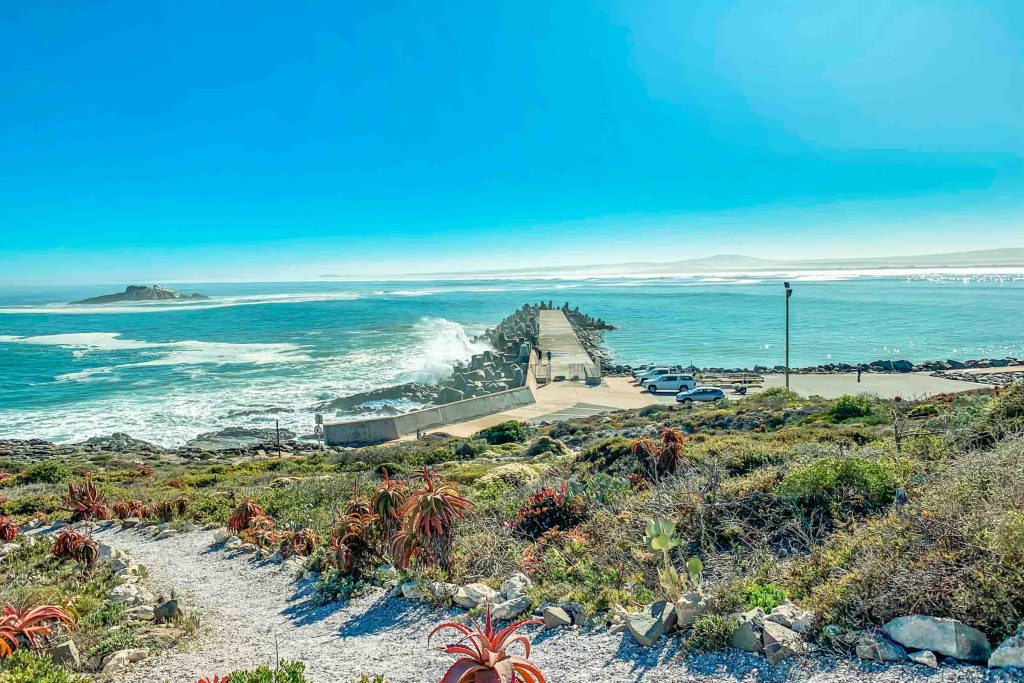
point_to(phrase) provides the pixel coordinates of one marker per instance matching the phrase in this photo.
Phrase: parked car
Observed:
(658, 371)
(704, 394)
(670, 383)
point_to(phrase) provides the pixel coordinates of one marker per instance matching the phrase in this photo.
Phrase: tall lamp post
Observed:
(789, 293)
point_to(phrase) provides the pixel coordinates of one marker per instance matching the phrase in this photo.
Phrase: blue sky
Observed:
(208, 141)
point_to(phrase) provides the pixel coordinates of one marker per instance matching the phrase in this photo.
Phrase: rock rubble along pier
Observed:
(490, 382)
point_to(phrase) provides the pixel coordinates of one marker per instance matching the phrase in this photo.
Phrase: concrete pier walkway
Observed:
(568, 359)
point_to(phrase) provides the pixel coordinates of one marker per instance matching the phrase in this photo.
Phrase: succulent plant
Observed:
(28, 624)
(430, 512)
(8, 529)
(485, 657)
(123, 509)
(243, 515)
(85, 502)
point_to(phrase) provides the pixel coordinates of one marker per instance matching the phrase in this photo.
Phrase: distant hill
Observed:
(748, 264)
(142, 293)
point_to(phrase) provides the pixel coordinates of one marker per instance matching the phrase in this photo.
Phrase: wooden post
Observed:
(277, 429)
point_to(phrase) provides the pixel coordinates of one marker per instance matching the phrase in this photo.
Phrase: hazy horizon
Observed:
(402, 138)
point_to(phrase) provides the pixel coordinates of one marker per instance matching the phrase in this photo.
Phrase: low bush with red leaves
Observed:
(549, 509)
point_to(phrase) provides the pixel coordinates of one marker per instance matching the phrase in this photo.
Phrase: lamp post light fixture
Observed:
(789, 293)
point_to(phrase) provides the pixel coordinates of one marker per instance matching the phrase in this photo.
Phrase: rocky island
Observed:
(143, 293)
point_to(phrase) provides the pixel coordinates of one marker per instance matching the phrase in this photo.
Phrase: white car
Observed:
(670, 383)
(703, 394)
(657, 371)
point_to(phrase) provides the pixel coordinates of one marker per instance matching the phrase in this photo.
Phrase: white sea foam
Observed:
(84, 341)
(440, 343)
(88, 375)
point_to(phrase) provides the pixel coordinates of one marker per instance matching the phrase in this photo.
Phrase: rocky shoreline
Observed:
(949, 369)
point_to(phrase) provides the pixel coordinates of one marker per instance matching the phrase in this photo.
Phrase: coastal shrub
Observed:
(469, 448)
(923, 410)
(777, 394)
(610, 455)
(709, 633)
(51, 471)
(333, 586)
(850, 407)
(545, 445)
(1004, 417)
(511, 431)
(513, 474)
(549, 509)
(953, 551)
(851, 483)
(122, 637)
(27, 667)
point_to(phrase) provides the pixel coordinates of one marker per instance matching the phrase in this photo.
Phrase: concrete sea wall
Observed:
(379, 430)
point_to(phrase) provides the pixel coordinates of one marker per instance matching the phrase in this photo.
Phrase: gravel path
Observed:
(253, 611)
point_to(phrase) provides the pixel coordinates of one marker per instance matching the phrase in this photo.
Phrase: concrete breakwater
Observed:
(502, 368)
(492, 381)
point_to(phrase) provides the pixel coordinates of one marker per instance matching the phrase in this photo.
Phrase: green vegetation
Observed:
(506, 432)
(709, 632)
(754, 500)
(850, 407)
(26, 667)
(287, 672)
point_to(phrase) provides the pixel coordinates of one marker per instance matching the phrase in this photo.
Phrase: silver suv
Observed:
(669, 382)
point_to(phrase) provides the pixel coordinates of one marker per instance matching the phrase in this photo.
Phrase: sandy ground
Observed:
(910, 385)
(566, 400)
(254, 612)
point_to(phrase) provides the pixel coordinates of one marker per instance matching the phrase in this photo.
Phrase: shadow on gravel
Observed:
(396, 615)
(303, 610)
(643, 659)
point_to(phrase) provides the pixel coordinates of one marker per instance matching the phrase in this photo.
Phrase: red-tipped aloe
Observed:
(85, 502)
(29, 624)
(71, 545)
(387, 500)
(243, 515)
(123, 509)
(430, 512)
(8, 529)
(484, 654)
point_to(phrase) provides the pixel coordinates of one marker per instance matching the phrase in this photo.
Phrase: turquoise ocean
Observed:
(257, 352)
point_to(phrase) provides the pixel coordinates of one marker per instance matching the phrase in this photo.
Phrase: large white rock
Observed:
(945, 636)
(474, 595)
(510, 609)
(555, 617)
(411, 591)
(780, 642)
(748, 633)
(689, 608)
(924, 658)
(878, 648)
(516, 586)
(792, 617)
(648, 626)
